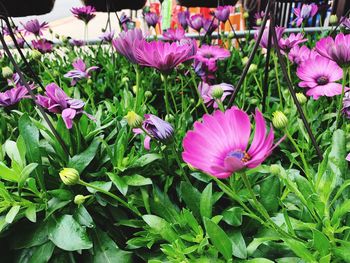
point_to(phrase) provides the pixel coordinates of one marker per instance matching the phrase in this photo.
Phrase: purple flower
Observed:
(124, 20)
(346, 105)
(20, 42)
(183, 17)
(348, 157)
(337, 49)
(345, 22)
(77, 43)
(84, 13)
(206, 71)
(222, 13)
(127, 43)
(304, 13)
(298, 54)
(6, 30)
(319, 75)
(258, 17)
(151, 19)
(107, 36)
(173, 35)
(196, 22)
(12, 96)
(79, 72)
(210, 26)
(286, 44)
(34, 27)
(14, 80)
(43, 45)
(265, 37)
(206, 90)
(156, 129)
(164, 56)
(208, 54)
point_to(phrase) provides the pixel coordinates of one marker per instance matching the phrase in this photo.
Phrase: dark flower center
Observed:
(240, 155)
(208, 55)
(322, 80)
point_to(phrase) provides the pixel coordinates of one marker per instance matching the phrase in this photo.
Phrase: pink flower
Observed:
(35, 27)
(286, 44)
(164, 56)
(304, 13)
(151, 19)
(298, 54)
(219, 145)
(127, 43)
(196, 22)
(208, 54)
(12, 96)
(174, 34)
(79, 72)
(84, 13)
(107, 36)
(319, 75)
(210, 26)
(348, 157)
(265, 37)
(43, 45)
(206, 90)
(222, 13)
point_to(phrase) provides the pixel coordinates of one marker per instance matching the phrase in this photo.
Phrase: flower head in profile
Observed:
(222, 13)
(259, 17)
(34, 27)
(346, 105)
(43, 45)
(77, 42)
(208, 54)
(13, 96)
(206, 91)
(210, 26)
(337, 49)
(152, 19)
(156, 129)
(298, 55)
(124, 20)
(196, 22)
(206, 71)
(80, 71)
(14, 80)
(219, 145)
(286, 44)
(173, 35)
(304, 13)
(345, 22)
(183, 17)
(319, 76)
(164, 56)
(127, 43)
(265, 37)
(107, 36)
(84, 13)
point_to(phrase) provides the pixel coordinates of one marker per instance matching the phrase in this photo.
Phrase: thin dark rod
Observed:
(339, 23)
(267, 68)
(251, 57)
(236, 37)
(290, 87)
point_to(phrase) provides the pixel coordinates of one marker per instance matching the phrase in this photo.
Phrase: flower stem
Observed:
(166, 98)
(340, 106)
(137, 72)
(179, 163)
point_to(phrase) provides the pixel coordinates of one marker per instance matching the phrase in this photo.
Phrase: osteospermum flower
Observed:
(35, 27)
(43, 45)
(164, 56)
(196, 22)
(127, 43)
(210, 26)
(298, 54)
(183, 17)
(337, 49)
(346, 105)
(206, 71)
(174, 34)
(319, 76)
(151, 19)
(107, 36)
(84, 13)
(77, 42)
(208, 54)
(265, 37)
(222, 13)
(286, 44)
(258, 17)
(304, 13)
(206, 92)
(12, 96)
(80, 71)
(345, 22)
(219, 145)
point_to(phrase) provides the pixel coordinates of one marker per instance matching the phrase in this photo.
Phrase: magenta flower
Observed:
(77, 43)
(286, 44)
(14, 80)
(164, 56)
(196, 22)
(173, 35)
(210, 26)
(298, 54)
(304, 13)
(183, 17)
(124, 20)
(79, 72)
(209, 54)
(348, 157)
(151, 19)
(84, 13)
(319, 75)
(107, 36)
(156, 129)
(35, 27)
(43, 45)
(219, 145)
(205, 90)
(206, 71)
(258, 17)
(265, 37)
(345, 22)
(337, 49)
(346, 105)
(12, 96)
(222, 13)
(127, 43)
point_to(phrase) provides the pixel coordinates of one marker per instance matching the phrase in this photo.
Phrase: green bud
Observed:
(125, 79)
(134, 120)
(258, 22)
(192, 101)
(252, 69)
(57, 36)
(231, 35)
(333, 19)
(217, 92)
(69, 176)
(245, 61)
(89, 81)
(246, 15)
(50, 31)
(80, 199)
(7, 72)
(135, 89)
(169, 118)
(148, 94)
(36, 55)
(279, 120)
(301, 98)
(275, 169)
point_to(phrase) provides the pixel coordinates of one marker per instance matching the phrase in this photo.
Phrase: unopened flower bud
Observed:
(69, 176)
(301, 98)
(253, 68)
(217, 92)
(148, 94)
(134, 120)
(258, 22)
(245, 61)
(125, 79)
(279, 120)
(231, 35)
(275, 169)
(36, 55)
(7, 72)
(90, 82)
(135, 89)
(169, 118)
(246, 15)
(80, 199)
(57, 36)
(333, 19)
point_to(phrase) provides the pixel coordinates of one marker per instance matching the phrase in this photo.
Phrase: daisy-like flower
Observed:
(151, 19)
(173, 35)
(222, 13)
(265, 37)
(84, 13)
(210, 26)
(124, 20)
(345, 22)
(107, 36)
(77, 42)
(127, 43)
(183, 17)
(156, 129)
(35, 27)
(79, 72)
(206, 71)
(298, 54)
(196, 22)
(219, 145)
(304, 13)
(259, 17)
(319, 76)
(206, 92)
(337, 49)
(14, 80)
(12, 96)
(346, 105)
(348, 157)
(208, 54)
(43, 45)
(164, 56)
(286, 44)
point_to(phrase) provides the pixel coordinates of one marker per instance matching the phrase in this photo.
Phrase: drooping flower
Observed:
(210, 25)
(80, 71)
(156, 129)
(183, 17)
(127, 43)
(209, 54)
(298, 54)
(35, 27)
(151, 19)
(107, 36)
(304, 13)
(43, 45)
(12, 96)
(265, 37)
(259, 17)
(206, 92)
(319, 76)
(174, 34)
(124, 20)
(345, 22)
(337, 49)
(346, 105)
(77, 42)
(222, 13)
(84, 13)
(206, 71)
(196, 22)
(14, 80)
(164, 56)
(286, 44)
(219, 145)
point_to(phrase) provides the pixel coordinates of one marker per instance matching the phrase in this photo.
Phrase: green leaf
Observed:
(10, 216)
(119, 183)
(233, 216)
(38, 254)
(205, 205)
(191, 197)
(82, 160)
(67, 234)
(342, 252)
(320, 242)
(105, 250)
(100, 184)
(30, 213)
(259, 260)
(161, 227)
(8, 174)
(239, 247)
(27, 171)
(300, 250)
(218, 238)
(12, 151)
(137, 180)
(146, 159)
(82, 216)
(340, 211)
(33, 235)
(270, 193)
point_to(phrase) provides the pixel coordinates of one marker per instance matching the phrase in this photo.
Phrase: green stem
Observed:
(278, 81)
(340, 105)
(200, 100)
(165, 81)
(179, 163)
(137, 72)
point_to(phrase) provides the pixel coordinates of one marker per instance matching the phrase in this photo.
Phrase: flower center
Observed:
(208, 55)
(240, 155)
(322, 80)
